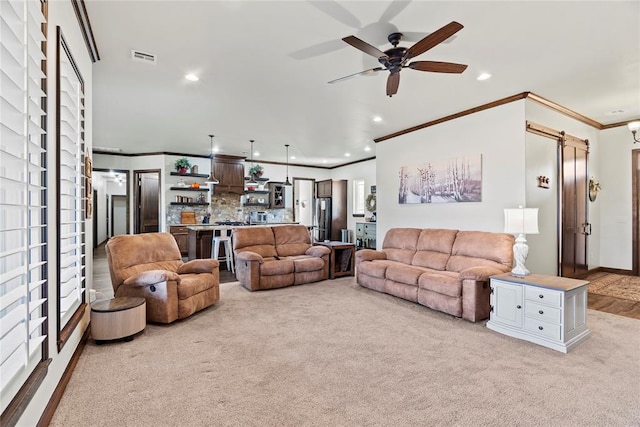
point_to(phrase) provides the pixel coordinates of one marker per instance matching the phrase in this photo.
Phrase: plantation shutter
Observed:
(23, 218)
(71, 187)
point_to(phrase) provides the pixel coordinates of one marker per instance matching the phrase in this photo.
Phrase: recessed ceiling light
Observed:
(324, 161)
(614, 112)
(377, 118)
(347, 154)
(191, 77)
(216, 149)
(484, 76)
(293, 157)
(256, 153)
(367, 148)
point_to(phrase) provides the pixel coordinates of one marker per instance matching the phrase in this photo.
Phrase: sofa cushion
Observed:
(377, 268)
(446, 284)
(277, 267)
(192, 284)
(304, 264)
(404, 274)
(400, 244)
(434, 248)
(255, 239)
(479, 248)
(291, 239)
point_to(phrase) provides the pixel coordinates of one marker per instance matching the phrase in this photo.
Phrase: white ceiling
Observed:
(264, 68)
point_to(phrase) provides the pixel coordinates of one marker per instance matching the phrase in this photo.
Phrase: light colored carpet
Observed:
(615, 285)
(336, 354)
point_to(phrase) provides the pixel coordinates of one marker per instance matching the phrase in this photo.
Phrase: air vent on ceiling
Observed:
(137, 55)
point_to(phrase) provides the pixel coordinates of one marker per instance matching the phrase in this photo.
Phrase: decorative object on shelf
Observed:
(182, 165)
(212, 179)
(201, 198)
(520, 221)
(543, 181)
(181, 183)
(194, 169)
(286, 182)
(256, 171)
(634, 127)
(195, 185)
(594, 187)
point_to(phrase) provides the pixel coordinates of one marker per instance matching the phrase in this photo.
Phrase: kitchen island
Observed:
(200, 237)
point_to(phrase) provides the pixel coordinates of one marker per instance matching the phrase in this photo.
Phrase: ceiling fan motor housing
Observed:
(394, 58)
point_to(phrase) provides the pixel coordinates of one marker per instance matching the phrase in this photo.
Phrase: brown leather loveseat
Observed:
(278, 256)
(150, 266)
(446, 270)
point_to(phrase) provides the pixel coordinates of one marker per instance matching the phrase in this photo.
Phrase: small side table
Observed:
(341, 259)
(546, 310)
(120, 317)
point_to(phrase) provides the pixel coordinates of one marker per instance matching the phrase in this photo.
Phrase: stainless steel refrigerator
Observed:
(323, 219)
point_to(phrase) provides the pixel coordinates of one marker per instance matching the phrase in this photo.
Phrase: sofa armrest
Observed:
(369, 255)
(480, 274)
(318, 251)
(151, 277)
(199, 266)
(249, 256)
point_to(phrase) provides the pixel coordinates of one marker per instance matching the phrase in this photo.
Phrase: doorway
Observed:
(108, 183)
(118, 215)
(635, 199)
(303, 200)
(147, 201)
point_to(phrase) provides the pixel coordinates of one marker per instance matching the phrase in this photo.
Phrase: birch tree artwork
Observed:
(458, 179)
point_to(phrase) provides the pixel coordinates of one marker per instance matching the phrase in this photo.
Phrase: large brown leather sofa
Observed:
(446, 270)
(150, 266)
(278, 256)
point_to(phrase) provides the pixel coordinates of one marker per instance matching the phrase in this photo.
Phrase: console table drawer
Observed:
(542, 312)
(543, 329)
(543, 296)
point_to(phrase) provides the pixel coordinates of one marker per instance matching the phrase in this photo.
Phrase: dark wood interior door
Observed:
(575, 222)
(148, 203)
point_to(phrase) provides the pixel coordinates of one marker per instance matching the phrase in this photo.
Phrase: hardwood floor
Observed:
(102, 286)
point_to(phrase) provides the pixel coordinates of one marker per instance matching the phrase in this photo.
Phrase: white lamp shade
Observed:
(634, 126)
(521, 221)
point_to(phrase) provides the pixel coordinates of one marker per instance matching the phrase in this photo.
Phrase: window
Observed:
(23, 215)
(358, 197)
(71, 192)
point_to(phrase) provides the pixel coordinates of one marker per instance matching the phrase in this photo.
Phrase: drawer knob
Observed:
(540, 296)
(540, 327)
(540, 312)
(518, 307)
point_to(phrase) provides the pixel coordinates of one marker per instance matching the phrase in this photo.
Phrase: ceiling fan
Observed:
(396, 58)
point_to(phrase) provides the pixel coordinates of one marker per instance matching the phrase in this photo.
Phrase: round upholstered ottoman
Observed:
(120, 317)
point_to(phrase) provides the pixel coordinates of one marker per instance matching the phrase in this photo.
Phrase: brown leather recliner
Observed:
(150, 266)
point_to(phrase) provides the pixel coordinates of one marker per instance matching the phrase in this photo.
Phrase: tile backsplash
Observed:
(226, 207)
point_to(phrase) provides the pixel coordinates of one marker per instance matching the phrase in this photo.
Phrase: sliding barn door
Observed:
(575, 225)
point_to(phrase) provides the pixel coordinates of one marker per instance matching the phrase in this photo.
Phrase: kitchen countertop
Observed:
(206, 227)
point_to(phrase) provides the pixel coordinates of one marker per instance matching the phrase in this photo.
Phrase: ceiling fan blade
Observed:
(433, 39)
(361, 73)
(393, 81)
(364, 46)
(438, 67)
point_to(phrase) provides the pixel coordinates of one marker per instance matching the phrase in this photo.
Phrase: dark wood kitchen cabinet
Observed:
(180, 233)
(229, 170)
(323, 188)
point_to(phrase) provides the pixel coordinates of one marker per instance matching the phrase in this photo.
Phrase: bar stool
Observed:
(225, 239)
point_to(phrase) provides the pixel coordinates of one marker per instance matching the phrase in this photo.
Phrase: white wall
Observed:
(61, 13)
(543, 247)
(497, 134)
(615, 199)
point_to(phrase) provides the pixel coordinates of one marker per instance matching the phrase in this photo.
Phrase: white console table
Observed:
(546, 310)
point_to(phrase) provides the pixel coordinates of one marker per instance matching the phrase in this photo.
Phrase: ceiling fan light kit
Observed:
(397, 58)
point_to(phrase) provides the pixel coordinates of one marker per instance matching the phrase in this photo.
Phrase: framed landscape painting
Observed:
(454, 180)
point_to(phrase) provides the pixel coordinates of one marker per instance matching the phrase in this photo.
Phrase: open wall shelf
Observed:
(196, 175)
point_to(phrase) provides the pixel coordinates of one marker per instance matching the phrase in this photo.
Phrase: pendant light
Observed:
(252, 181)
(212, 179)
(287, 183)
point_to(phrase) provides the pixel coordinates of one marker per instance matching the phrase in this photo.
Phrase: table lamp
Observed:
(519, 222)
